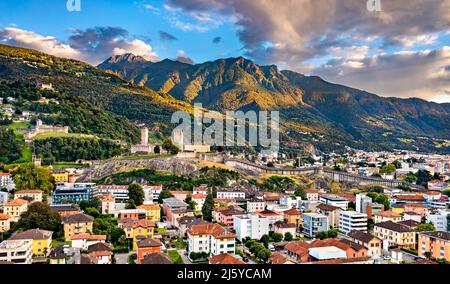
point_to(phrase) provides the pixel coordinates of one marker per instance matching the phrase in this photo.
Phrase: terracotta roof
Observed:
(143, 224)
(34, 234)
(199, 196)
(267, 213)
(16, 202)
(361, 236)
(278, 258)
(77, 218)
(5, 217)
(394, 227)
(89, 237)
(88, 259)
(388, 214)
(300, 249)
(215, 230)
(149, 243)
(293, 212)
(353, 245)
(327, 207)
(416, 197)
(415, 205)
(107, 198)
(157, 258)
(29, 191)
(225, 258)
(284, 225)
(149, 207)
(99, 247)
(343, 260)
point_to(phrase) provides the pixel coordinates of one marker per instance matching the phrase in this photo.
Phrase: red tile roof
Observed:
(5, 217)
(225, 258)
(215, 230)
(16, 202)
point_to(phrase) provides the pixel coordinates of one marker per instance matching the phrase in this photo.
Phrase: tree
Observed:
(300, 192)
(28, 176)
(388, 169)
(352, 205)
(263, 255)
(426, 228)
(423, 177)
(136, 194)
(384, 200)
(265, 239)
(276, 237)
(170, 147)
(164, 195)
(94, 212)
(10, 147)
(40, 215)
(191, 202)
(208, 207)
(288, 237)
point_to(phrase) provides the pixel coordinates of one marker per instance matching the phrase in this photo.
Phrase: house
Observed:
(293, 216)
(255, 205)
(437, 185)
(351, 249)
(230, 194)
(314, 223)
(297, 252)
(185, 223)
(251, 226)
(174, 208)
(108, 202)
(226, 216)
(272, 217)
(32, 195)
(410, 198)
(211, 238)
(77, 224)
(437, 244)
(202, 189)
(15, 208)
(66, 209)
(83, 241)
(335, 200)
(147, 246)
(362, 201)
(120, 192)
(42, 241)
(139, 214)
(65, 255)
(412, 216)
(312, 195)
(395, 234)
(157, 258)
(332, 212)
(5, 222)
(181, 194)
(16, 251)
(137, 229)
(6, 181)
(278, 258)
(373, 244)
(199, 200)
(387, 216)
(373, 209)
(420, 209)
(153, 212)
(352, 220)
(411, 224)
(87, 259)
(440, 220)
(60, 175)
(283, 228)
(152, 192)
(102, 252)
(224, 259)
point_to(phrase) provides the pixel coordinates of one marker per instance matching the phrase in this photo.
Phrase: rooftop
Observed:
(438, 235)
(157, 258)
(215, 230)
(34, 234)
(225, 258)
(77, 218)
(389, 225)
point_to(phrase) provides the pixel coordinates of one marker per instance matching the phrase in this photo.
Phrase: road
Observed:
(122, 258)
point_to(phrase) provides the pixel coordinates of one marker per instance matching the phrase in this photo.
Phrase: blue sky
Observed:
(402, 50)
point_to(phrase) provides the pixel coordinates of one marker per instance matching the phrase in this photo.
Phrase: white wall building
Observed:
(152, 193)
(230, 194)
(120, 192)
(255, 205)
(251, 225)
(362, 200)
(17, 251)
(440, 220)
(351, 220)
(211, 238)
(6, 181)
(334, 200)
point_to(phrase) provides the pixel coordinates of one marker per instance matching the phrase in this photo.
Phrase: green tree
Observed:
(191, 202)
(288, 237)
(429, 227)
(423, 177)
(170, 147)
(263, 255)
(388, 169)
(276, 237)
(136, 193)
(384, 200)
(28, 176)
(94, 212)
(10, 147)
(265, 239)
(300, 192)
(208, 207)
(164, 195)
(39, 215)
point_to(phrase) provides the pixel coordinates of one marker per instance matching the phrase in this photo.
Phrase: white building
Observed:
(351, 220)
(17, 251)
(255, 205)
(6, 181)
(314, 223)
(152, 193)
(334, 200)
(120, 192)
(251, 225)
(211, 239)
(4, 196)
(362, 200)
(440, 220)
(230, 194)
(199, 200)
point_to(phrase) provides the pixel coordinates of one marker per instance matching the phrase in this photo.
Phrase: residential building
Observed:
(157, 258)
(420, 209)
(373, 209)
(65, 255)
(74, 193)
(250, 226)
(312, 195)
(138, 214)
(202, 189)
(352, 220)
(230, 194)
(102, 252)
(174, 209)
(283, 228)
(60, 176)
(5, 222)
(108, 202)
(255, 205)
(440, 220)
(335, 200)
(387, 216)
(42, 241)
(147, 246)
(436, 243)
(272, 217)
(373, 244)
(137, 229)
(437, 185)
(211, 238)
(120, 192)
(362, 201)
(4, 197)
(226, 217)
(412, 216)
(181, 194)
(199, 200)
(395, 234)
(293, 216)
(66, 209)
(314, 223)
(6, 181)
(225, 259)
(153, 212)
(279, 259)
(83, 241)
(185, 223)
(29, 195)
(15, 208)
(77, 224)
(16, 251)
(152, 192)
(332, 212)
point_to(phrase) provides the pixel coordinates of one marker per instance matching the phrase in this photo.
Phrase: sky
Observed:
(398, 48)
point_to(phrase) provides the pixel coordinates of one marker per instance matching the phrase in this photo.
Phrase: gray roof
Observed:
(78, 218)
(35, 234)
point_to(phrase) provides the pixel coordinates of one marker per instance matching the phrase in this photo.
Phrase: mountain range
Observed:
(313, 111)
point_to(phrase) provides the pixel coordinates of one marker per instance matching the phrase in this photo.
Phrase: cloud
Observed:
(217, 40)
(91, 45)
(183, 58)
(150, 7)
(165, 36)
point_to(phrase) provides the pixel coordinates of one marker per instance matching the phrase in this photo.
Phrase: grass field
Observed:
(175, 256)
(27, 151)
(61, 135)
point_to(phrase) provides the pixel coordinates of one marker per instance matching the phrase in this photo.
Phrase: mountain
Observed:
(327, 112)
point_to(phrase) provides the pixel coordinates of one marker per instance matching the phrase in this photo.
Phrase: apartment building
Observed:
(396, 234)
(351, 220)
(314, 223)
(251, 225)
(437, 244)
(16, 251)
(211, 238)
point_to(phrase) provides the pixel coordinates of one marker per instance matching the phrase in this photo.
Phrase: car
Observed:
(245, 259)
(386, 257)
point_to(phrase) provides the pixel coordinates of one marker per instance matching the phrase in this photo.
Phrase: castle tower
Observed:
(144, 136)
(178, 139)
(38, 123)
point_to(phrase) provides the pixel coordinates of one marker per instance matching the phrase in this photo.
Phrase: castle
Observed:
(42, 128)
(144, 147)
(178, 140)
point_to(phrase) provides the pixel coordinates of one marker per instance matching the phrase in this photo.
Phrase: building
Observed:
(102, 252)
(120, 192)
(212, 239)
(314, 223)
(362, 201)
(293, 216)
(83, 241)
(108, 202)
(437, 244)
(352, 220)
(65, 255)
(4, 197)
(16, 251)
(185, 223)
(255, 205)
(312, 195)
(135, 214)
(153, 212)
(332, 212)
(272, 217)
(151, 193)
(387, 216)
(181, 194)
(77, 224)
(6, 181)
(230, 194)
(15, 208)
(66, 209)
(42, 241)
(5, 222)
(60, 176)
(202, 189)
(144, 147)
(226, 217)
(158, 258)
(225, 259)
(73, 193)
(395, 234)
(373, 209)
(137, 229)
(335, 200)
(42, 128)
(199, 200)
(250, 226)
(174, 209)
(437, 185)
(147, 246)
(31, 195)
(412, 216)
(373, 244)
(420, 209)
(440, 220)
(283, 229)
